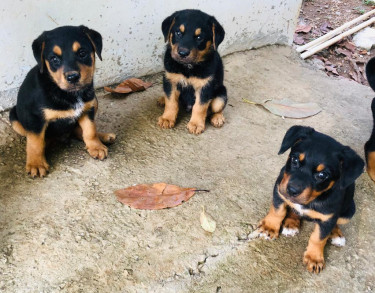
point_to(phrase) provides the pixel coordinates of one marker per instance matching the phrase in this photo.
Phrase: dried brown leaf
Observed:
(325, 27)
(297, 39)
(129, 85)
(303, 28)
(332, 69)
(345, 52)
(288, 108)
(348, 45)
(154, 196)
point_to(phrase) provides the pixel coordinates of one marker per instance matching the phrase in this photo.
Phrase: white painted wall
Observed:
(132, 39)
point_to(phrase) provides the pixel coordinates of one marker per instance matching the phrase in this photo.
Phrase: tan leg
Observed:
(313, 257)
(17, 127)
(269, 227)
(93, 144)
(107, 138)
(168, 119)
(197, 121)
(36, 164)
(371, 165)
(217, 106)
(291, 224)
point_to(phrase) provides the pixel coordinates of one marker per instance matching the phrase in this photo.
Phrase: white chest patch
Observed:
(78, 108)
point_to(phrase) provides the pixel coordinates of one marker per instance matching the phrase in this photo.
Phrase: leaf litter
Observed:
(155, 196)
(129, 85)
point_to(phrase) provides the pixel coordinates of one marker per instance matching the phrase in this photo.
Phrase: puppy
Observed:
(370, 144)
(193, 70)
(317, 183)
(57, 97)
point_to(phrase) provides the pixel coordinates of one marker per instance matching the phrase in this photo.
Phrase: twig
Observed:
(333, 33)
(249, 102)
(201, 190)
(324, 45)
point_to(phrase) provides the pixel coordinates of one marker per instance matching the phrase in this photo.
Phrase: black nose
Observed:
(72, 77)
(183, 52)
(293, 190)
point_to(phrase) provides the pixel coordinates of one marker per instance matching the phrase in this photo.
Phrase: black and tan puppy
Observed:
(193, 70)
(370, 144)
(57, 97)
(317, 183)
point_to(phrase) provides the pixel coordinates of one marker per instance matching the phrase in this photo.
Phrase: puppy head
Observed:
(192, 35)
(68, 55)
(316, 164)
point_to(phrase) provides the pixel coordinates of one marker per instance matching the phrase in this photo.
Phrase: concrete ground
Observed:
(68, 232)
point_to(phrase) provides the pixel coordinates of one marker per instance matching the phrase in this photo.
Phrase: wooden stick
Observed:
(324, 45)
(335, 32)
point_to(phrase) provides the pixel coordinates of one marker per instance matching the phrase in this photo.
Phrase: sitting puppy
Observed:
(317, 183)
(57, 97)
(370, 145)
(194, 70)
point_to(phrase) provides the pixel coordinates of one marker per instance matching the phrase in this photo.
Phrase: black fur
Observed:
(370, 144)
(342, 166)
(211, 66)
(39, 91)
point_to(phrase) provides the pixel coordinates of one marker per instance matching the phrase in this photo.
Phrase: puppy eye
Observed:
(321, 176)
(82, 53)
(294, 161)
(178, 34)
(55, 60)
(199, 38)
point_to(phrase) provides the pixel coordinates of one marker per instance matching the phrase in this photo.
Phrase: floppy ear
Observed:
(38, 49)
(351, 166)
(294, 134)
(370, 73)
(167, 25)
(95, 39)
(218, 33)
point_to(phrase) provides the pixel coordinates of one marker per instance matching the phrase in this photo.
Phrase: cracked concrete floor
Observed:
(68, 232)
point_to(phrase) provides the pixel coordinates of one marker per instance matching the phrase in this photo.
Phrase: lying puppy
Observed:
(370, 144)
(194, 70)
(57, 97)
(317, 183)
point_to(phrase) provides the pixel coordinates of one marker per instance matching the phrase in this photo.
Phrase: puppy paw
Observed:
(218, 120)
(267, 231)
(314, 262)
(195, 128)
(166, 123)
(98, 151)
(338, 241)
(161, 101)
(290, 227)
(37, 168)
(107, 138)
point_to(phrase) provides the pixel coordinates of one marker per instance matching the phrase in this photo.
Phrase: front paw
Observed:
(37, 168)
(98, 151)
(217, 120)
(267, 231)
(314, 262)
(196, 127)
(290, 227)
(107, 138)
(166, 123)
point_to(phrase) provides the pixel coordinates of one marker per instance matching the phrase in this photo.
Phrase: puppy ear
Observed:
(38, 50)
(370, 73)
(218, 33)
(95, 39)
(351, 166)
(167, 25)
(294, 134)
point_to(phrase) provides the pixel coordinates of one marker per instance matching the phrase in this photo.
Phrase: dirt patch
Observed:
(68, 233)
(341, 59)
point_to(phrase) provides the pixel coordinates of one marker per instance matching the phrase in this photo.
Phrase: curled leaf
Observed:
(288, 108)
(129, 85)
(154, 196)
(207, 222)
